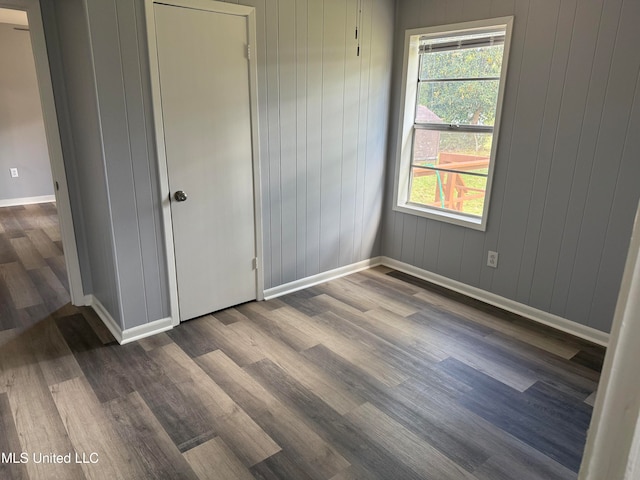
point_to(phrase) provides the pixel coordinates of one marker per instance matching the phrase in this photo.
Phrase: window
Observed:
(453, 83)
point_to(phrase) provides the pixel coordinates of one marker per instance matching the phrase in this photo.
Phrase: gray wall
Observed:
(566, 181)
(72, 76)
(323, 118)
(22, 138)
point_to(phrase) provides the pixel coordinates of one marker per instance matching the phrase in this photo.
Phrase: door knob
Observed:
(180, 196)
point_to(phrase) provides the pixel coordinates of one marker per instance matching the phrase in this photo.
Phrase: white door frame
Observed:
(218, 7)
(52, 131)
(613, 444)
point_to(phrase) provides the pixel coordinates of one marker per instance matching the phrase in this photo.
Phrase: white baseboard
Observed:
(540, 316)
(146, 330)
(129, 334)
(320, 278)
(14, 202)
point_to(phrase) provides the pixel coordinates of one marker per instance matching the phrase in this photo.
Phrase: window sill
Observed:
(462, 220)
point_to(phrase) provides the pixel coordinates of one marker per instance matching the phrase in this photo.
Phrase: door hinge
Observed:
(57, 186)
(255, 263)
(248, 51)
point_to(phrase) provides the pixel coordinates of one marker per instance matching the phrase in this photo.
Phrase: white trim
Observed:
(130, 334)
(540, 316)
(406, 113)
(14, 202)
(52, 132)
(321, 278)
(148, 329)
(613, 443)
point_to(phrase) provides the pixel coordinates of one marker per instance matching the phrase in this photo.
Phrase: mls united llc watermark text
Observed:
(49, 458)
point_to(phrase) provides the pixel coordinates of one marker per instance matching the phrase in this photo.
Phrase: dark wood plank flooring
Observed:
(377, 375)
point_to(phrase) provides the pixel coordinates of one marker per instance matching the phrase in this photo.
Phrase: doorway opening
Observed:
(39, 271)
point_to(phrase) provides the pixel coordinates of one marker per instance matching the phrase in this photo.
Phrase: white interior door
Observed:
(205, 97)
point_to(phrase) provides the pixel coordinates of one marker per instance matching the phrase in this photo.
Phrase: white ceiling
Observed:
(14, 17)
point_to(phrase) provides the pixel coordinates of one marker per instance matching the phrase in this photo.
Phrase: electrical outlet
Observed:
(492, 259)
(14, 172)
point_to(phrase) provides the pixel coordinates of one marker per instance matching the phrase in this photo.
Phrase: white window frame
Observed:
(411, 65)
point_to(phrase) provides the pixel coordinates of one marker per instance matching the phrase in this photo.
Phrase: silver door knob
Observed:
(180, 196)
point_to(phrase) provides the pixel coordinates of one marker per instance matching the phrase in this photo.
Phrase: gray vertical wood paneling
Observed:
(333, 87)
(547, 141)
(323, 133)
(300, 60)
(350, 120)
(381, 52)
(134, 62)
(624, 204)
(612, 135)
(521, 168)
(592, 121)
(568, 134)
(563, 196)
(315, 26)
(316, 149)
(117, 155)
(361, 209)
(408, 246)
(286, 36)
(271, 157)
(82, 148)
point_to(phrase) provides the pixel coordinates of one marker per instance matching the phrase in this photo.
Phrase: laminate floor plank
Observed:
(99, 328)
(332, 393)
(226, 417)
(566, 375)
(27, 253)
(195, 340)
(155, 341)
(43, 243)
(57, 264)
(281, 323)
(149, 443)
(40, 428)
(21, 289)
(279, 467)
(344, 291)
(52, 352)
(407, 447)
(231, 315)
(391, 328)
(300, 301)
(53, 232)
(532, 466)
(91, 431)
(10, 223)
(381, 297)
(51, 290)
(368, 360)
(466, 439)
(338, 430)
(7, 250)
(214, 460)
(284, 425)
(10, 444)
(523, 418)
